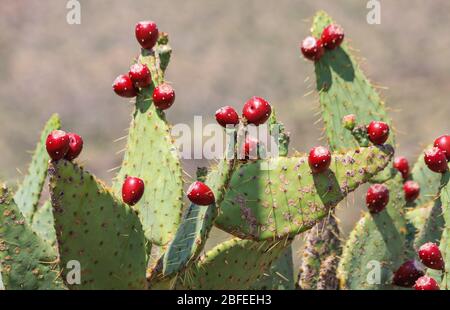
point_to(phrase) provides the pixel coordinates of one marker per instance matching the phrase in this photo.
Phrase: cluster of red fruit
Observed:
(437, 157)
(60, 144)
(256, 111)
(139, 75)
(411, 273)
(313, 48)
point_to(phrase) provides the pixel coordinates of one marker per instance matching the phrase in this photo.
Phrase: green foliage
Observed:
(279, 197)
(28, 194)
(445, 239)
(97, 230)
(26, 261)
(44, 223)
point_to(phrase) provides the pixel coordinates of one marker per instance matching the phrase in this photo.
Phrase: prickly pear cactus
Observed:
(97, 230)
(344, 89)
(279, 197)
(197, 222)
(29, 192)
(26, 261)
(445, 239)
(234, 264)
(376, 246)
(152, 156)
(321, 256)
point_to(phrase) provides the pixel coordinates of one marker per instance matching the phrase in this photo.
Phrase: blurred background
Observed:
(224, 51)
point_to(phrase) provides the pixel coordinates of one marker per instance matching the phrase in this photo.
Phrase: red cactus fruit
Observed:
(200, 194)
(378, 132)
(408, 273)
(57, 144)
(123, 86)
(140, 75)
(377, 198)
(332, 36)
(312, 48)
(132, 190)
(163, 96)
(146, 34)
(75, 146)
(402, 165)
(431, 256)
(411, 190)
(319, 159)
(443, 143)
(436, 160)
(227, 116)
(256, 111)
(426, 283)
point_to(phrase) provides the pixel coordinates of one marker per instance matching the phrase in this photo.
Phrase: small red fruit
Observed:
(57, 144)
(312, 48)
(412, 190)
(163, 96)
(132, 190)
(140, 75)
(123, 86)
(147, 33)
(426, 283)
(443, 143)
(200, 194)
(250, 148)
(435, 160)
(332, 36)
(319, 159)
(431, 256)
(378, 132)
(402, 165)
(227, 116)
(377, 198)
(407, 274)
(75, 146)
(256, 111)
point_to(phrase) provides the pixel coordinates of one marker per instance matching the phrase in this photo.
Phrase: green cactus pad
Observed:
(280, 275)
(43, 223)
(320, 253)
(234, 264)
(378, 240)
(152, 156)
(343, 90)
(279, 197)
(445, 239)
(28, 194)
(97, 230)
(26, 262)
(197, 223)
(428, 180)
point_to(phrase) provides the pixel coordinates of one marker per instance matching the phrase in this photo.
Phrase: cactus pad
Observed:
(343, 90)
(95, 229)
(197, 223)
(379, 239)
(279, 197)
(26, 262)
(29, 192)
(234, 264)
(445, 239)
(152, 156)
(43, 223)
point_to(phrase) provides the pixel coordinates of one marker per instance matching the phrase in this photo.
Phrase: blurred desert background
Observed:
(224, 51)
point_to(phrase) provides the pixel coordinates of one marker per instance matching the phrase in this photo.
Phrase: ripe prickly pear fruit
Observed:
(227, 116)
(378, 132)
(377, 198)
(163, 96)
(256, 111)
(426, 283)
(332, 36)
(132, 190)
(57, 144)
(319, 159)
(312, 48)
(411, 190)
(146, 34)
(123, 86)
(200, 194)
(431, 256)
(140, 75)
(75, 146)
(436, 160)
(443, 143)
(408, 273)
(402, 165)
